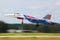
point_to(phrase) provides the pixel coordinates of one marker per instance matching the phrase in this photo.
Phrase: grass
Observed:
(29, 38)
(29, 34)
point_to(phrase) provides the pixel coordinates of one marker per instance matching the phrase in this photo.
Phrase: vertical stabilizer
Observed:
(48, 17)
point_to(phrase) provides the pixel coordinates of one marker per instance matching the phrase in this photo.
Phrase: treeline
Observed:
(41, 28)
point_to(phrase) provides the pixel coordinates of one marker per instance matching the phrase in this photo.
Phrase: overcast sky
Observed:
(36, 8)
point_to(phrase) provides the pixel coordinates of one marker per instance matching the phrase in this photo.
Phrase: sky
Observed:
(36, 8)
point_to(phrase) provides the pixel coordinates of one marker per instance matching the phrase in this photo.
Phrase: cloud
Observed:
(58, 3)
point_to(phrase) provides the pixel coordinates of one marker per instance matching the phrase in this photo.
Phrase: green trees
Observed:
(3, 26)
(41, 28)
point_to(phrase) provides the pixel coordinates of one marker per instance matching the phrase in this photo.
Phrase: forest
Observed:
(41, 28)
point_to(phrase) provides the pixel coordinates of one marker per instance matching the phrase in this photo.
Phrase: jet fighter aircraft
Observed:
(44, 21)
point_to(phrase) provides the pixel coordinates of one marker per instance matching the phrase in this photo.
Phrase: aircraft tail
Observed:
(48, 17)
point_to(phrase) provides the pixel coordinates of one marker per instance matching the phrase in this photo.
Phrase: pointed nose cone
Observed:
(9, 15)
(16, 15)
